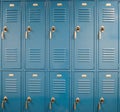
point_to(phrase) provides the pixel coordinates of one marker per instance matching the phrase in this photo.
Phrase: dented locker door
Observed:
(108, 35)
(11, 90)
(84, 34)
(82, 92)
(11, 35)
(59, 92)
(35, 35)
(108, 86)
(35, 87)
(59, 35)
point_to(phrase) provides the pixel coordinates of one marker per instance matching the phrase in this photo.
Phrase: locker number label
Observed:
(108, 4)
(59, 4)
(35, 4)
(34, 75)
(84, 75)
(84, 4)
(12, 5)
(11, 75)
(59, 75)
(108, 76)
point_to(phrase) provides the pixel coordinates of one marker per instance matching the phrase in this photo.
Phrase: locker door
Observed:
(83, 92)
(35, 35)
(35, 91)
(11, 35)
(84, 35)
(59, 35)
(108, 35)
(11, 92)
(108, 92)
(59, 92)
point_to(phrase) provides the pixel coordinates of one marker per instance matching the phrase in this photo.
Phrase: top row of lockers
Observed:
(51, 0)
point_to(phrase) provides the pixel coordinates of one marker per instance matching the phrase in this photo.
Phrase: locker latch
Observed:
(5, 99)
(52, 30)
(77, 100)
(27, 101)
(51, 102)
(100, 103)
(102, 29)
(28, 30)
(77, 29)
(5, 29)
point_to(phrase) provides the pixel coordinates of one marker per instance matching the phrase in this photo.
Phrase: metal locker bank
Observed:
(60, 56)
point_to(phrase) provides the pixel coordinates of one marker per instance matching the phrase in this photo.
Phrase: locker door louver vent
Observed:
(59, 15)
(59, 86)
(10, 55)
(34, 15)
(11, 86)
(34, 55)
(84, 55)
(35, 86)
(108, 15)
(108, 55)
(84, 15)
(83, 86)
(12, 16)
(60, 55)
(108, 86)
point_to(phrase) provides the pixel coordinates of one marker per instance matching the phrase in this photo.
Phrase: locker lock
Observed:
(100, 103)
(5, 99)
(5, 29)
(52, 30)
(101, 100)
(102, 29)
(51, 102)
(27, 101)
(77, 100)
(77, 29)
(29, 29)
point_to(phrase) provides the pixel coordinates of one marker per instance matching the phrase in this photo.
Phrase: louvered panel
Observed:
(59, 55)
(11, 55)
(60, 15)
(108, 15)
(84, 15)
(34, 86)
(12, 16)
(108, 86)
(59, 86)
(11, 86)
(108, 55)
(34, 15)
(34, 55)
(83, 86)
(84, 55)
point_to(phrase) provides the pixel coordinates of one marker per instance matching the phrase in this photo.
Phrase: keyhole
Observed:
(29, 29)
(102, 29)
(102, 100)
(78, 28)
(5, 29)
(53, 29)
(77, 100)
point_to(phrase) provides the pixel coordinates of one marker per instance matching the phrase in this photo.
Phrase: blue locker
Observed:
(84, 34)
(108, 86)
(35, 35)
(59, 92)
(35, 94)
(82, 92)
(11, 92)
(59, 34)
(11, 35)
(108, 35)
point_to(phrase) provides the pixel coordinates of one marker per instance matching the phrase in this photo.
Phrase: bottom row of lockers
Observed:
(59, 92)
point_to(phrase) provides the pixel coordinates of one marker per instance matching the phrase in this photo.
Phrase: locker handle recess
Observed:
(100, 103)
(102, 29)
(5, 29)
(27, 31)
(77, 100)
(5, 99)
(52, 30)
(51, 102)
(77, 29)
(27, 101)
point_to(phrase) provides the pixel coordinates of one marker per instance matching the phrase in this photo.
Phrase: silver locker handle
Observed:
(102, 29)
(100, 103)
(52, 30)
(5, 29)
(51, 102)
(77, 29)
(27, 31)
(77, 100)
(5, 99)
(27, 101)
(2, 35)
